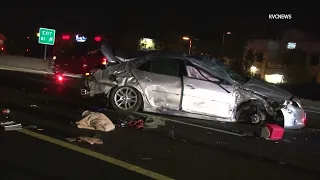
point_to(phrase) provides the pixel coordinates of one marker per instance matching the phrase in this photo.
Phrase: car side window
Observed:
(197, 73)
(165, 66)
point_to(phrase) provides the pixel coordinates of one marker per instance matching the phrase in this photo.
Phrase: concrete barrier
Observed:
(30, 65)
(24, 62)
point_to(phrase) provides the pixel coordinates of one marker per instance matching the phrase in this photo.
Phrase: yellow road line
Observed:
(96, 155)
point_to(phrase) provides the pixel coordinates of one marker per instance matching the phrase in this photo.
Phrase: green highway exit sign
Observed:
(46, 36)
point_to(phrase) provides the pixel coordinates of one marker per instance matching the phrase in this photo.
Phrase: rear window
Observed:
(76, 48)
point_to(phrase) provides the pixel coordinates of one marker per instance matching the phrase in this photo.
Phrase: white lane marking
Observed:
(73, 75)
(312, 111)
(198, 126)
(41, 80)
(313, 129)
(36, 71)
(24, 70)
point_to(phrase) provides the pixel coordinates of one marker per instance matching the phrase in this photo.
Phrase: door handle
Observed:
(191, 86)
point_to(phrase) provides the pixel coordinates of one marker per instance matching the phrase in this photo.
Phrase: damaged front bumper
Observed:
(294, 117)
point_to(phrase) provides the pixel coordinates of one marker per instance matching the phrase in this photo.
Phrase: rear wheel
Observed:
(125, 99)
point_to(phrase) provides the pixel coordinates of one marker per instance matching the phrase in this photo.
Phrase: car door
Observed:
(203, 94)
(160, 82)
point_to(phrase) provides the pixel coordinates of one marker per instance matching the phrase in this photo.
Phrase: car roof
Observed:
(166, 55)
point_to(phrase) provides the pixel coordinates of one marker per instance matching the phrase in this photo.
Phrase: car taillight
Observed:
(304, 119)
(2, 49)
(59, 78)
(104, 61)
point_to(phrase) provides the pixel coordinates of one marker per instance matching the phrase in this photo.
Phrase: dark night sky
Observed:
(203, 23)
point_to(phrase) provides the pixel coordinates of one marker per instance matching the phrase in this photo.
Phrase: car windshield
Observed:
(218, 68)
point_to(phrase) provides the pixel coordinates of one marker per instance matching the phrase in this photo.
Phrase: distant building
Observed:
(268, 55)
(149, 44)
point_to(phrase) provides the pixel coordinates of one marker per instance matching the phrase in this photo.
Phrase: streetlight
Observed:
(225, 33)
(190, 42)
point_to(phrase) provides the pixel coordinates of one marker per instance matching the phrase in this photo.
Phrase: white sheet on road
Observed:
(95, 121)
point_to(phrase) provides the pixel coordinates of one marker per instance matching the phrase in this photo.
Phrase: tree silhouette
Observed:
(296, 70)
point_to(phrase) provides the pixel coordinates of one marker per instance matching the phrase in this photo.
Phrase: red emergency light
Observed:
(104, 61)
(97, 38)
(59, 78)
(65, 37)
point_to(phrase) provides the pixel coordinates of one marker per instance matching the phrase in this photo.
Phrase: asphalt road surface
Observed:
(26, 157)
(182, 149)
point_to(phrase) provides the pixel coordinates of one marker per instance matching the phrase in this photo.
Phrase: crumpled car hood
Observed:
(266, 89)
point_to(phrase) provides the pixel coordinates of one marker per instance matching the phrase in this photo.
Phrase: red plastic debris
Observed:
(138, 124)
(272, 132)
(5, 111)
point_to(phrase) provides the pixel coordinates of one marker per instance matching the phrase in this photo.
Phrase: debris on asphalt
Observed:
(272, 132)
(95, 121)
(31, 127)
(91, 140)
(154, 122)
(131, 121)
(220, 142)
(33, 105)
(71, 139)
(10, 125)
(171, 134)
(146, 158)
(249, 134)
(137, 124)
(5, 111)
(31, 96)
(140, 122)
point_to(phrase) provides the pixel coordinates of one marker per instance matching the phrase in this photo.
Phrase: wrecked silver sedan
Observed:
(192, 87)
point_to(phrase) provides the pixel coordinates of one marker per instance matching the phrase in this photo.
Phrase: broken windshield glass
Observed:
(219, 69)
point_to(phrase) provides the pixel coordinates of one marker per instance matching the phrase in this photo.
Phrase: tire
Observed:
(251, 113)
(121, 92)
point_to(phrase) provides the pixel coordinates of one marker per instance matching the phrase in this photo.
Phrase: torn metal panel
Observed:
(161, 91)
(267, 89)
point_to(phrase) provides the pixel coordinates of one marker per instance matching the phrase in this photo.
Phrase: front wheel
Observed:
(125, 99)
(251, 114)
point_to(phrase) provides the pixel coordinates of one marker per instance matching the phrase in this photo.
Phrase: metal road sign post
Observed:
(46, 37)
